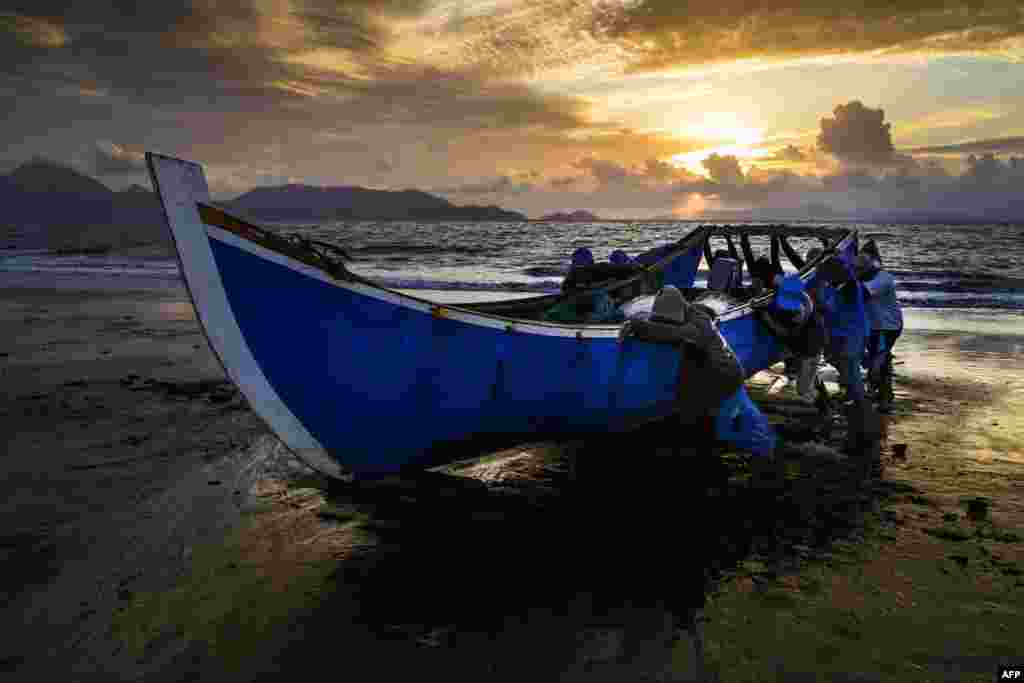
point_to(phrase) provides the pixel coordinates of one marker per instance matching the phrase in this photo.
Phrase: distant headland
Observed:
(579, 216)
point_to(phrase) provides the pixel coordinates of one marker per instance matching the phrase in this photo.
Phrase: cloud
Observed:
(995, 146)
(604, 171)
(537, 38)
(502, 185)
(789, 153)
(564, 182)
(652, 173)
(987, 190)
(857, 134)
(724, 169)
(210, 80)
(109, 158)
(666, 33)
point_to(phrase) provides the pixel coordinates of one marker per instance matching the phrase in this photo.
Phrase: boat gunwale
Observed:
(513, 324)
(680, 247)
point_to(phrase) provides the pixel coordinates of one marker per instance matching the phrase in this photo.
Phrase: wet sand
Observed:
(158, 532)
(119, 433)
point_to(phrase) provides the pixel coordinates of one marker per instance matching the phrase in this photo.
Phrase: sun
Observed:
(724, 133)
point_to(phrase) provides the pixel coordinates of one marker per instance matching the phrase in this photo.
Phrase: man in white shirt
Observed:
(886, 318)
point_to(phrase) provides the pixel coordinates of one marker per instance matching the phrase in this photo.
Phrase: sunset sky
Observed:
(625, 107)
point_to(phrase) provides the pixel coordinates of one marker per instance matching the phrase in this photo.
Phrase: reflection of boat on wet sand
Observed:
(359, 379)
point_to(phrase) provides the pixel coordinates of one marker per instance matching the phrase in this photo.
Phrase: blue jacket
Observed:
(846, 317)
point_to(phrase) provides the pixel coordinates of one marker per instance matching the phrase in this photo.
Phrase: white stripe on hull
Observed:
(181, 185)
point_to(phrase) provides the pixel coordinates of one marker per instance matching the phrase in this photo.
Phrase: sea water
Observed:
(955, 267)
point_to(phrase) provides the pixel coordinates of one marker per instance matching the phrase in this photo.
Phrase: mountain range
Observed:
(52, 206)
(47, 205)
(307, 202)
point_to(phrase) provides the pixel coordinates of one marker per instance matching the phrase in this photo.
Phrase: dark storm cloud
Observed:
(994, 146)
(252, 82)
(857, 134)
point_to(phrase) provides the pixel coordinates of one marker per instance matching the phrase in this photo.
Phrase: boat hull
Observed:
(378, 381)
(360, 380)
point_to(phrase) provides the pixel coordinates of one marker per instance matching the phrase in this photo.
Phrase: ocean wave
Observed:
(1006, 302)
(407, 248)
(955, 281)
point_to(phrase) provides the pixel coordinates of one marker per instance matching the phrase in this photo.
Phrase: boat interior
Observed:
(725, 287)
(725, 290)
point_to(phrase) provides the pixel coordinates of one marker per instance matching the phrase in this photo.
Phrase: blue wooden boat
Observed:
(361, 380)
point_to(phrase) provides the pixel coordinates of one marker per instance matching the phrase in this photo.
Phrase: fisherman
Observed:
(587, 307)
(846, 321)
(847, 325)
(763, 271)
(619, 258)
(817, 320)
(713, 404)
(581, 258)
(711, 376)
(791, 317)
(886, 318)
(725, 273)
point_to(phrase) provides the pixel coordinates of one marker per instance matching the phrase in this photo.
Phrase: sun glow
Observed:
(693, 207)
(726, 135)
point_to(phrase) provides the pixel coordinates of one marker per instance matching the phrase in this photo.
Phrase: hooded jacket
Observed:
(709, 371)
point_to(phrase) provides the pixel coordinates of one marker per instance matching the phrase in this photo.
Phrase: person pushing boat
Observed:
(842, 301)
(765, 273)
(886, 319)
(710, 384)
(792, 318)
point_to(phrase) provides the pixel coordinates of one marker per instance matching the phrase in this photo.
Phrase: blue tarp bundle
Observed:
(740, 423)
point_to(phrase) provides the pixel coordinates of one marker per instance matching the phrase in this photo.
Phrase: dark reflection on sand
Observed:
(538, 577)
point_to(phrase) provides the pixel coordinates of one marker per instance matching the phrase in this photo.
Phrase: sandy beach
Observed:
(157, 531)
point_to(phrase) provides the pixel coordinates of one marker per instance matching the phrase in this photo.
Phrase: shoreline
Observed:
(128, 447)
